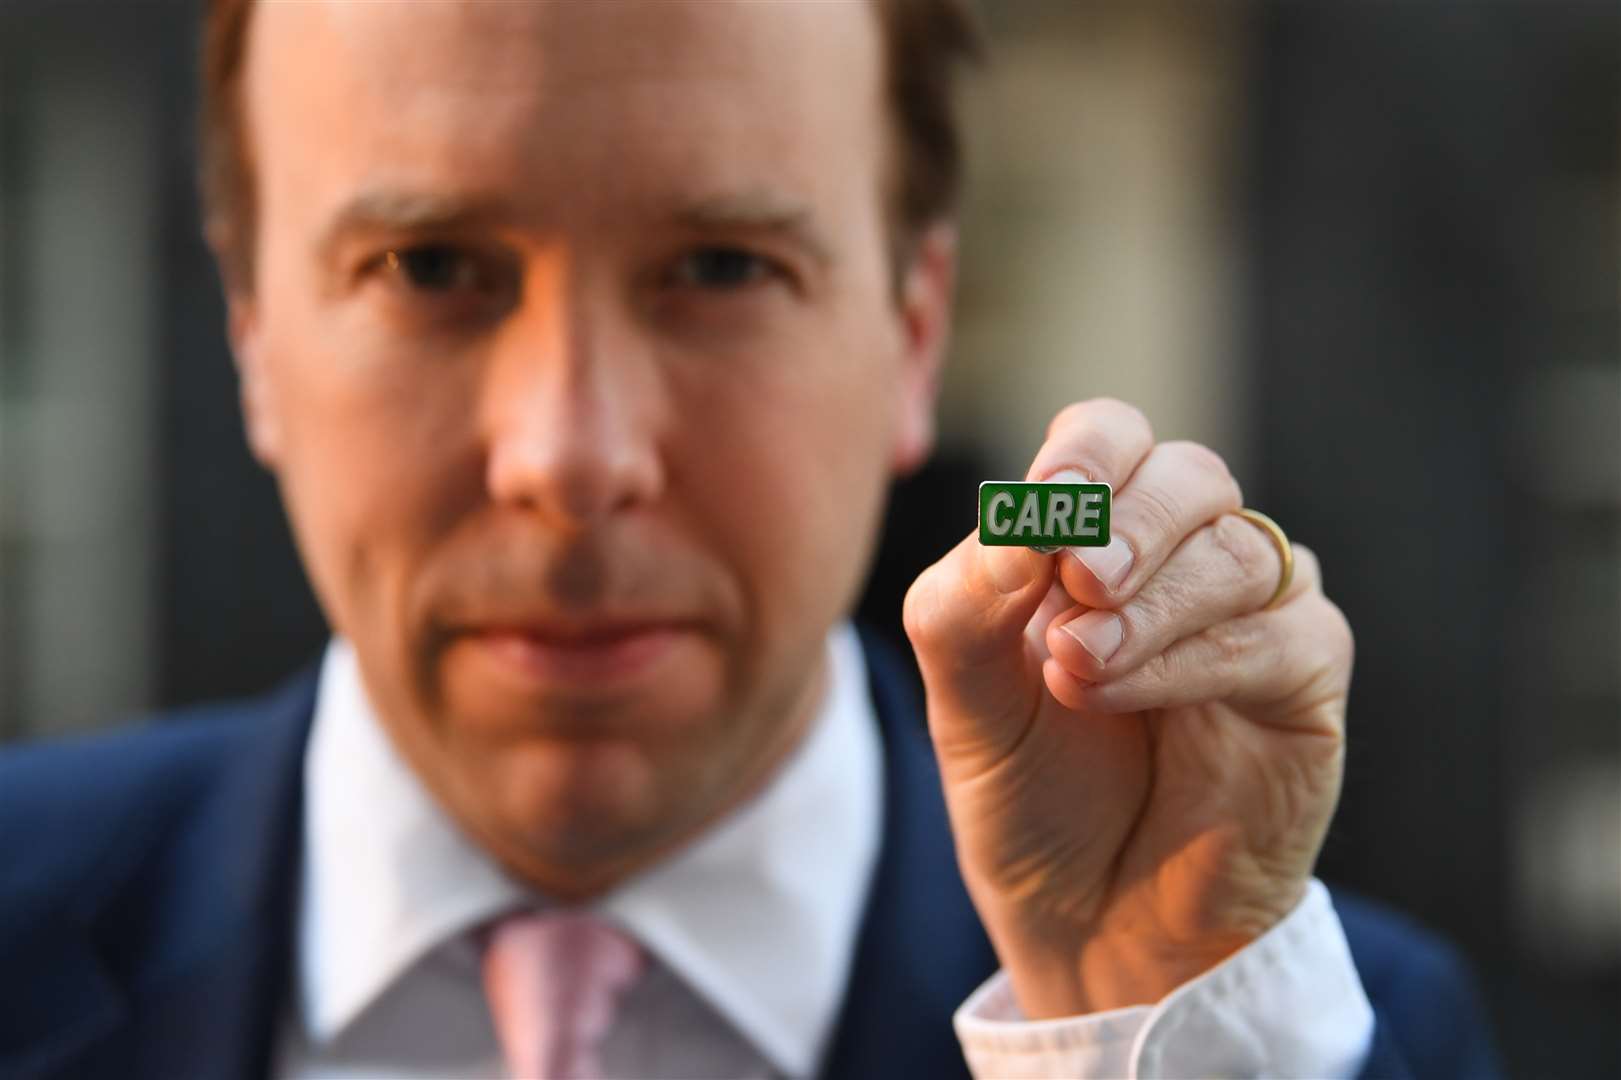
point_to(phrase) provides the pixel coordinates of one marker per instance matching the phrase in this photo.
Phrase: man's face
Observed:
(574, 346)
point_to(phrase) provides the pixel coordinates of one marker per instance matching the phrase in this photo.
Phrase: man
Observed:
(583, 340)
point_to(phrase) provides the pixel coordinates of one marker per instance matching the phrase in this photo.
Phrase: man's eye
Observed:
(436, 268)
(448, 284)
(723, 268)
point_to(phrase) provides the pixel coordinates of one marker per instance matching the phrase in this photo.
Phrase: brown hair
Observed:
(926, 42)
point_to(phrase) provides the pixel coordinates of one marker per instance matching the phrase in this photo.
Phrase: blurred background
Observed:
(1371, 252)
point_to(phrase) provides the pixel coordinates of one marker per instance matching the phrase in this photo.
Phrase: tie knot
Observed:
(554, 980)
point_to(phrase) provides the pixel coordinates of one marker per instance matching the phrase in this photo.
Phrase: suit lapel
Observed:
(922, 949)
(193, 949)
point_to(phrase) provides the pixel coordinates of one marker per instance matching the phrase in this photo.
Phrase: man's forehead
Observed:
(637, 101)
(562, 45)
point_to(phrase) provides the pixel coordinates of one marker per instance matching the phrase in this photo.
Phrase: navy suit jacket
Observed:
(147, 900)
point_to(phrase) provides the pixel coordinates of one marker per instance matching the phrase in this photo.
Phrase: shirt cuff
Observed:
(1287, 1004)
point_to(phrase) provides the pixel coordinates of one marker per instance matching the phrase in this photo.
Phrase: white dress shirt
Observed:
(750, 930)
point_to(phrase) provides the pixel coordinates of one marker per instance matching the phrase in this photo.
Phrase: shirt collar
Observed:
(759, 915)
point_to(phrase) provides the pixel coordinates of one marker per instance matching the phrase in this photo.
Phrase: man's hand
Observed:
(1140, 763)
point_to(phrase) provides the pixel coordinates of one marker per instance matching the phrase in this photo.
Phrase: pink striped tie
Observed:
(554, 980)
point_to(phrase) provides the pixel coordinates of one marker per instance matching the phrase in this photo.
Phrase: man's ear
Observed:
(926, 293)
(259, 414)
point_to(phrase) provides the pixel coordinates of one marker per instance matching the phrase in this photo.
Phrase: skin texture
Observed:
(572, 345)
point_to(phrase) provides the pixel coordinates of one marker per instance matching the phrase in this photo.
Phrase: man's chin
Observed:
(572, 817)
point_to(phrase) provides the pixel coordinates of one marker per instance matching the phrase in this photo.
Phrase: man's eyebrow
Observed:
(761, 212)
(392, 210)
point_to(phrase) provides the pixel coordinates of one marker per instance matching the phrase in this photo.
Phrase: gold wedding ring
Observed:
(1286, 552)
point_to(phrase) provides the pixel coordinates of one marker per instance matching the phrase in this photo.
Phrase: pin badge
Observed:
(1043, 516)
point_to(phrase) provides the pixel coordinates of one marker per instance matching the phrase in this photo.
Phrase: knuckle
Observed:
(1160, 604)
(1085, 413)
(1208, 472)
(1235, 640)
(1087, 451)
(1248, 550)
(1124, 409)
(1069, 416)
(1157, 513)
(1102, 438)
(1157, 670)
(1200, 458)
(1247, 644)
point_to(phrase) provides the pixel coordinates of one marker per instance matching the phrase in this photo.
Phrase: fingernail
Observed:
(1109, 564)
(1009, 567)
(1099, 632)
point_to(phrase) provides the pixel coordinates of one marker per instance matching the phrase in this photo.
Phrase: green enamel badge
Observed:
(1043, 515)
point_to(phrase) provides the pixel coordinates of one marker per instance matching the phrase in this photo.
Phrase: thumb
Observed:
(966, 617)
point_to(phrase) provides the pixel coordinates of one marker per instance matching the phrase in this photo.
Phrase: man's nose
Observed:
(571, 400)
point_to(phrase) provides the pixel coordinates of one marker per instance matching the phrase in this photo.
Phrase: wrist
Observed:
(1067, 971)
(1102, 975)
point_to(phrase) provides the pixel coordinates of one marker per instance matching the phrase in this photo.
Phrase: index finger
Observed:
(1103, 439)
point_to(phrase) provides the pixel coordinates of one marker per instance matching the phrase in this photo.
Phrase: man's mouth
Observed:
(579, 655)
